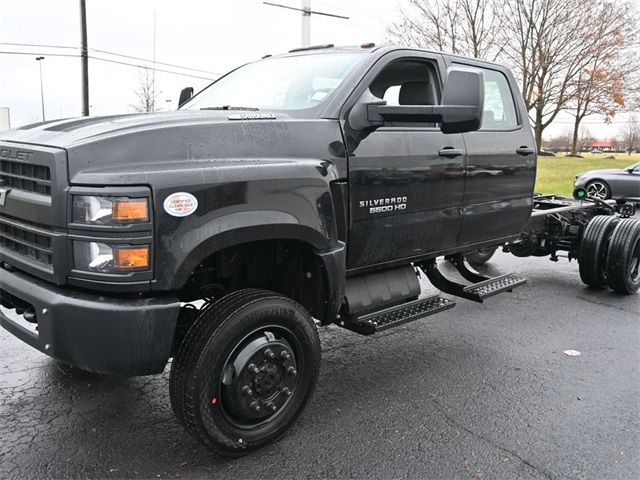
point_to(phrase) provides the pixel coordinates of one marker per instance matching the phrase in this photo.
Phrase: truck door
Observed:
(405, 180)
(501, 163)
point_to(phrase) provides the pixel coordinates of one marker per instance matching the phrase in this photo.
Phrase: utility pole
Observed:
(153, 76)
(84, 54)
(306, 18)
(39, 59)
(306, 23)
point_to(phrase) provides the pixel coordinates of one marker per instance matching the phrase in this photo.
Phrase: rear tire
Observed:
(592, 255)
(623, 257)
(480, 256)
(245, 371)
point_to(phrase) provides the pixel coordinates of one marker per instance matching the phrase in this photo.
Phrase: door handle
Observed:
(524, 151)
(450, 152)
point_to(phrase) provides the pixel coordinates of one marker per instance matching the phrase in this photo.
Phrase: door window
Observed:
(499, 107)
(407, 82)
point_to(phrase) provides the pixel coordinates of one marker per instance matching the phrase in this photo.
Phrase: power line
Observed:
(37, 45)
(306, 11)
(107, 52)
(107, 60)
(157, 69)
(159, 63)
(44, 54)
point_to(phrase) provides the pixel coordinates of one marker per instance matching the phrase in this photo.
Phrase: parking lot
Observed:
(480, 391)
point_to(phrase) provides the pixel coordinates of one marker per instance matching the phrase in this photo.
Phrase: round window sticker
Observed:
(180, 204)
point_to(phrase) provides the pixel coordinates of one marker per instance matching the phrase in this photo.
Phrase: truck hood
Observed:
(67, 133)
(131, 149)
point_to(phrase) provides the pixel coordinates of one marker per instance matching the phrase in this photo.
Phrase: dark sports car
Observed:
(616, 183)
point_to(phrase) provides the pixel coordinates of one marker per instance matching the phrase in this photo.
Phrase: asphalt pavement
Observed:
(480, 391)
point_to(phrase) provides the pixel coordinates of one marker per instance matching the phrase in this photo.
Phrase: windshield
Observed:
(286, 83)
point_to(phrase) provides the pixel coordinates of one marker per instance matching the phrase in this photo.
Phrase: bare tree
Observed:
(548, 43)
(630, 134)
(146, 93)
(561, 142)
(599, 87)
(465, 27)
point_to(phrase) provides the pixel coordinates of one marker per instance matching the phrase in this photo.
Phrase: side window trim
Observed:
(436, 59)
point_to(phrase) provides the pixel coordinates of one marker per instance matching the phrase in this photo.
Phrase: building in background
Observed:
(5, 120)
(602, 145)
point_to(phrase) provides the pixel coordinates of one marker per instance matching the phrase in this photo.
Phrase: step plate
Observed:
(398, 315)
(495, 286)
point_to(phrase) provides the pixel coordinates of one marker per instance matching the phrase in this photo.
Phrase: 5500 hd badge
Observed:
(382, 205)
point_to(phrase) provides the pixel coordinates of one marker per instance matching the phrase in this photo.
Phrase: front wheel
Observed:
(245, 371)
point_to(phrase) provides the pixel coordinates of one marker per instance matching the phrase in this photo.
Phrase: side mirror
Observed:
(185, 95)
(461, 109)
(462, 100)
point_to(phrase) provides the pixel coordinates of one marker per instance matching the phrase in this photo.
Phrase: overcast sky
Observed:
(210, 35)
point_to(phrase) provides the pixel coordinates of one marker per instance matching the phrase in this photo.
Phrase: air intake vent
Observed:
(26, 176)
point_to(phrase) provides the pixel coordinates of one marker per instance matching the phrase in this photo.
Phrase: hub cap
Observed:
(259, 378)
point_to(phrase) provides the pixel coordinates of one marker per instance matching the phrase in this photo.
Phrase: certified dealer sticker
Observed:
(180, 204)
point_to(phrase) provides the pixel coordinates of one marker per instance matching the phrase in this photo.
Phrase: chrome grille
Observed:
(25, 176)
(27, 239)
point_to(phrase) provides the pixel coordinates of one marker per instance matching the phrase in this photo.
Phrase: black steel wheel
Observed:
(245, 371)
(623, 257)
(480, 256)
(598, 189)
(592, 255)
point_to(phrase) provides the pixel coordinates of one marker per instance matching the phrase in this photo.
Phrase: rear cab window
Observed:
(499, 105)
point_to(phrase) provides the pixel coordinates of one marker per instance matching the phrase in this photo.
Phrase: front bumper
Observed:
(120, 336)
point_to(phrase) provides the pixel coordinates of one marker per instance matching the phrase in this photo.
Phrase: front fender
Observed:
(272, 199)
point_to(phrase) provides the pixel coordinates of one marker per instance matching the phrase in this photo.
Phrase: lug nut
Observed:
(255, 407)
(272, 406)
(285, 355)
(269, 354)
(252, 368)
(292, 371)
(286, 391)
(247, 390)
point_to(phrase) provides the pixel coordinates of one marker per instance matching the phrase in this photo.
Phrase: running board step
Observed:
(370, 323)
(494, 286)
(481, 288)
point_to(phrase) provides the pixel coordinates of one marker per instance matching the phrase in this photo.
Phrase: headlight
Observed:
(103, 258)
(91, 210)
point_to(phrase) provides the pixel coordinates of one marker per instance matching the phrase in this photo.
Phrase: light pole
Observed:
(39, 59)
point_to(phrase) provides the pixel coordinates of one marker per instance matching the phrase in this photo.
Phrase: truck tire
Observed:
(623, 257)
(245, 371)
(592, 255)
(480, 256)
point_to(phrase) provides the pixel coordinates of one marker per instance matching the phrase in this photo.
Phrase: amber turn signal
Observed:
(135, 209)
(131, 258)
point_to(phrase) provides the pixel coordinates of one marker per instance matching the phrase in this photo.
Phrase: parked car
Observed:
(616, 183)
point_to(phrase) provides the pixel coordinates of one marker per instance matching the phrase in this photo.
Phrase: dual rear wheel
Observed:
(609, 254)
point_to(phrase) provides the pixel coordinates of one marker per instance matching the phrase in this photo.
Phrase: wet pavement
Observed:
(479, 391)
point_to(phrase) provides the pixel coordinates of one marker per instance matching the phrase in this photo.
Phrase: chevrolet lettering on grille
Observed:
(3, 195)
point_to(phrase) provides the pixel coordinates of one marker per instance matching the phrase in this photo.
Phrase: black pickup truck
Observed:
(301, 190)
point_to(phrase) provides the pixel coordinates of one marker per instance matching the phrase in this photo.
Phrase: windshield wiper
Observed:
(229, 107)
